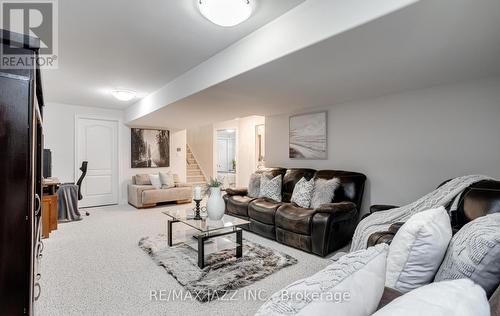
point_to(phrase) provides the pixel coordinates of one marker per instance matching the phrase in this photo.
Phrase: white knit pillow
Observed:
(155, 180)
(417, 250)
(474, 253)
(302, 193)
(449, 298)
(352, 286)
(270, 188)
(167, 180)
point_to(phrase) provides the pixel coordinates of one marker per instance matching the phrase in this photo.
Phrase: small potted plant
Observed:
(215, 203)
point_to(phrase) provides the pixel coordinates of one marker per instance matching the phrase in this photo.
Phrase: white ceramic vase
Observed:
(215, 204)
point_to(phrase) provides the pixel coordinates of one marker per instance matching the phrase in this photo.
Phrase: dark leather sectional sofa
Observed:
(477, 200)
(319, 231)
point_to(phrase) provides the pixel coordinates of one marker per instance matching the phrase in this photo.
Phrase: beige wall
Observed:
(407, 143)
(59, 129)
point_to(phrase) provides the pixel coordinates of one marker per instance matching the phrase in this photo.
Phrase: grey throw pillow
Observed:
(324, 191)
(302, 192)
(474, 253)
(270, 188)
(254, 185)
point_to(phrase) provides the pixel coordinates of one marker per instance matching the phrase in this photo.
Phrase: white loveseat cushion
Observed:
(417, 250)
(352, 286)
(448, 298)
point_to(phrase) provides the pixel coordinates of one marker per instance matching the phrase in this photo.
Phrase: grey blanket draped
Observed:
(67, 203)
(380, 221)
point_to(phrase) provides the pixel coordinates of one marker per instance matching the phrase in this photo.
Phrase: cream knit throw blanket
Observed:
(380, 221)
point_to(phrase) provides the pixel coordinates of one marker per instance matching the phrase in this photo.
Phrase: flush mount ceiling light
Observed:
(225, 12)
(123, 95)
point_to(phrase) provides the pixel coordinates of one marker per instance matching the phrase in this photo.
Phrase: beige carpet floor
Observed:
(94, 267)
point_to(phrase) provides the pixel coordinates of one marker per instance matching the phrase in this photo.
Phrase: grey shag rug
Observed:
(223, 271)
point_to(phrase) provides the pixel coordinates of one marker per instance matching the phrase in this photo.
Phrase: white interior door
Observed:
(222, 162)
(97, 143)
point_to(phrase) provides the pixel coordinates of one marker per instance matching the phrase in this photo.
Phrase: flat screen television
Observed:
(47, 163)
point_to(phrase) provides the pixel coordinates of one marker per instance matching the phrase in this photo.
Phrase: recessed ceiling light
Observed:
(123, 95)
(225, 12)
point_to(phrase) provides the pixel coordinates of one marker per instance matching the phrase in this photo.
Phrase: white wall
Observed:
(307, 24)
(59, 128)
(245, 144)
(407, 143)
(247, 158)
(203, 143)
(232, 124)
(200, 139)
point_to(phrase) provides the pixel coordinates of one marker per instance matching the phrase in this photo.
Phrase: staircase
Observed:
(195, 176)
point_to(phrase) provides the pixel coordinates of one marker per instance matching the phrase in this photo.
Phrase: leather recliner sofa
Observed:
(319, 231)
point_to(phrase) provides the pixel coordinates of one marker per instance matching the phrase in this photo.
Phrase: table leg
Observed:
(201, 251)
(169, 233)
(239, 243)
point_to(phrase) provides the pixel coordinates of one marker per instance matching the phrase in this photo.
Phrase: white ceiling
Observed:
(138, 45)
(430, 43)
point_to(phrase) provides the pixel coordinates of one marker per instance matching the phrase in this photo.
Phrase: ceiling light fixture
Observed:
(225, 12)
(123, 95)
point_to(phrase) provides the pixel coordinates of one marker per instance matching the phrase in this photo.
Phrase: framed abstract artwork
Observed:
(150, 148)
(308, 136)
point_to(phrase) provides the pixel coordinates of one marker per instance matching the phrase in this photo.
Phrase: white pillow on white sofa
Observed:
(155, 180)
(417, 250)
(352, 286)
(448, 298)
(167, 180)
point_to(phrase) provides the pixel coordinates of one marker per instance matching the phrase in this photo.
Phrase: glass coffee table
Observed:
(206, 230)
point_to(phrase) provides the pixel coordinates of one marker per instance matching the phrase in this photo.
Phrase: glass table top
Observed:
(205, 224)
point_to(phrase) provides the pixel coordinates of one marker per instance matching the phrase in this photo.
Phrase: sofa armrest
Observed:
(237, 191)
(135, 193)
(341, 211)
(333, 225)
(381, 207)
(182, 185)
(395, 227)
(384, 236)
(495, 302)
(379, 238)
(388, 296)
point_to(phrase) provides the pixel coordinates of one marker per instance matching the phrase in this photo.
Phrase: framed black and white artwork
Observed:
(150, 148)
(308, 136)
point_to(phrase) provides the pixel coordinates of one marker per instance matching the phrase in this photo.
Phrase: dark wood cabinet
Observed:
(21, 145)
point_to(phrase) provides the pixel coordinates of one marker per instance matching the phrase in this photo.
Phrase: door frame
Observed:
(118, 140)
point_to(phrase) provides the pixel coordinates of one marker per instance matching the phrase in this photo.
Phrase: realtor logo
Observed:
(36, 19)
